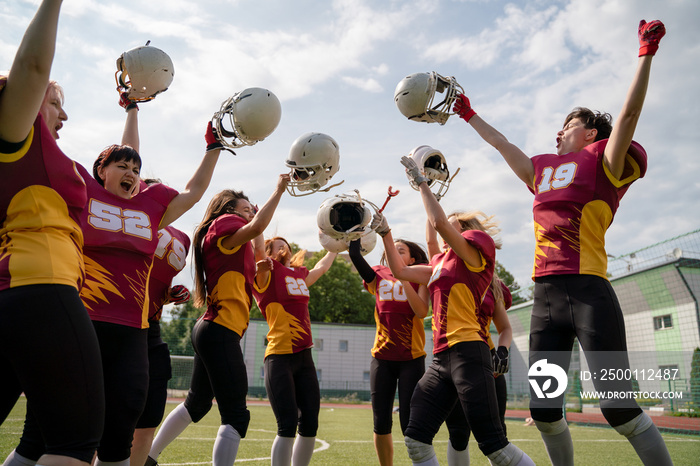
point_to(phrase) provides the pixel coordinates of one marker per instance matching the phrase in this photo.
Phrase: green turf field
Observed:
(345, 438)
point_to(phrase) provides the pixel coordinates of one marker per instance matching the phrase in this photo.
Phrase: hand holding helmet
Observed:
(178, 294)
(463, 108)
(416, 97)
(649, 36)
(125, 102)
(212, 140)
(414, 173)
(380, 225)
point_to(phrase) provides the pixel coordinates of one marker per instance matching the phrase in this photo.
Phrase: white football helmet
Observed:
(415, 96)
(144, 72)
(345, 216)
(314, 158)
(434, 166)
(367, 242)
(332, 244)
(253, 114)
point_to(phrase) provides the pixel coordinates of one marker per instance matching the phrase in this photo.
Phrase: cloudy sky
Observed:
(334, 66)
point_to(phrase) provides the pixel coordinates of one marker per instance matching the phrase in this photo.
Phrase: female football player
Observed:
(494, 305)
(224, 264)
(168, 261)
(461, 370)
(398, 354)
(577, 192)
(48, 348)
(282, 292)
(120, 223)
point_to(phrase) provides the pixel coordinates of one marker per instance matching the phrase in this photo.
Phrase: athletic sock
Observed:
(226, 446)
(646, 440)
(303, 449)
(456, 457)
(557, 441)
(510, 455)
(15, 459)
(111, 463)
(281, 452)
(176, 422)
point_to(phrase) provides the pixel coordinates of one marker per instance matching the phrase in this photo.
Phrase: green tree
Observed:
(512, 285)
(695, 380)
(338, 296)
(177, 331)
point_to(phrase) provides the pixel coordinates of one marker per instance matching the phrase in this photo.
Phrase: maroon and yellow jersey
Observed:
(400, 335)
(121, 236)
(457, 290)
(229, 274)
(41, 197)
(486, 309)
(284, 301)
(576, 198)
(168, 260)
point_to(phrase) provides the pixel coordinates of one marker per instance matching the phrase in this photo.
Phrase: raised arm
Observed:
(130, 136)
(414, 273)
(363, 268)
(28, 79)
(517, 160)
(437, 218)
(199, 182)
(320, 268)
(262, 218)
(623, 131)
(431, 240)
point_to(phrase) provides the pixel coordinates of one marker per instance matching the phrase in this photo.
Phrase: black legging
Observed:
(585, 307)
(48, 348)
(219, 371)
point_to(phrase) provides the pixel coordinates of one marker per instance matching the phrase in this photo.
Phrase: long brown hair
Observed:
(222, 203)
(414, 250)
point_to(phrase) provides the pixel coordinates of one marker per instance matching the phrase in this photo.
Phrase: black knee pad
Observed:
(619, 416)
(546, 414)
(197, 408)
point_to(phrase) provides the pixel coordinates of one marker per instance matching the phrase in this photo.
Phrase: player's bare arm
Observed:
(29, 75)
(622, 133)
(516, 159)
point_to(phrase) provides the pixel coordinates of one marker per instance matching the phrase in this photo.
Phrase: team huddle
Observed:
(87, 260)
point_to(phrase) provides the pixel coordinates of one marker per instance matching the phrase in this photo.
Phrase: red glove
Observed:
(211, 138)
(649, 36)
(126, 103)
(178, 294)
(463, 108)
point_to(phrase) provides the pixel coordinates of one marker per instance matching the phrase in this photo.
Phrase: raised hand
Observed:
(413, 172)
(211, 139)
(649, 36)
(126, 103)
(463, 107)
(380, 225)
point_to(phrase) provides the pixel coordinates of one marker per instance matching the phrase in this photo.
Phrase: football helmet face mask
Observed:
(253, 114)
(416, 97)
(144, 72)
(313, 158)
(434, 166)
(345, 217)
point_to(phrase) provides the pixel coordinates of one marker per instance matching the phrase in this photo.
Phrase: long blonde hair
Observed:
(477, 220)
